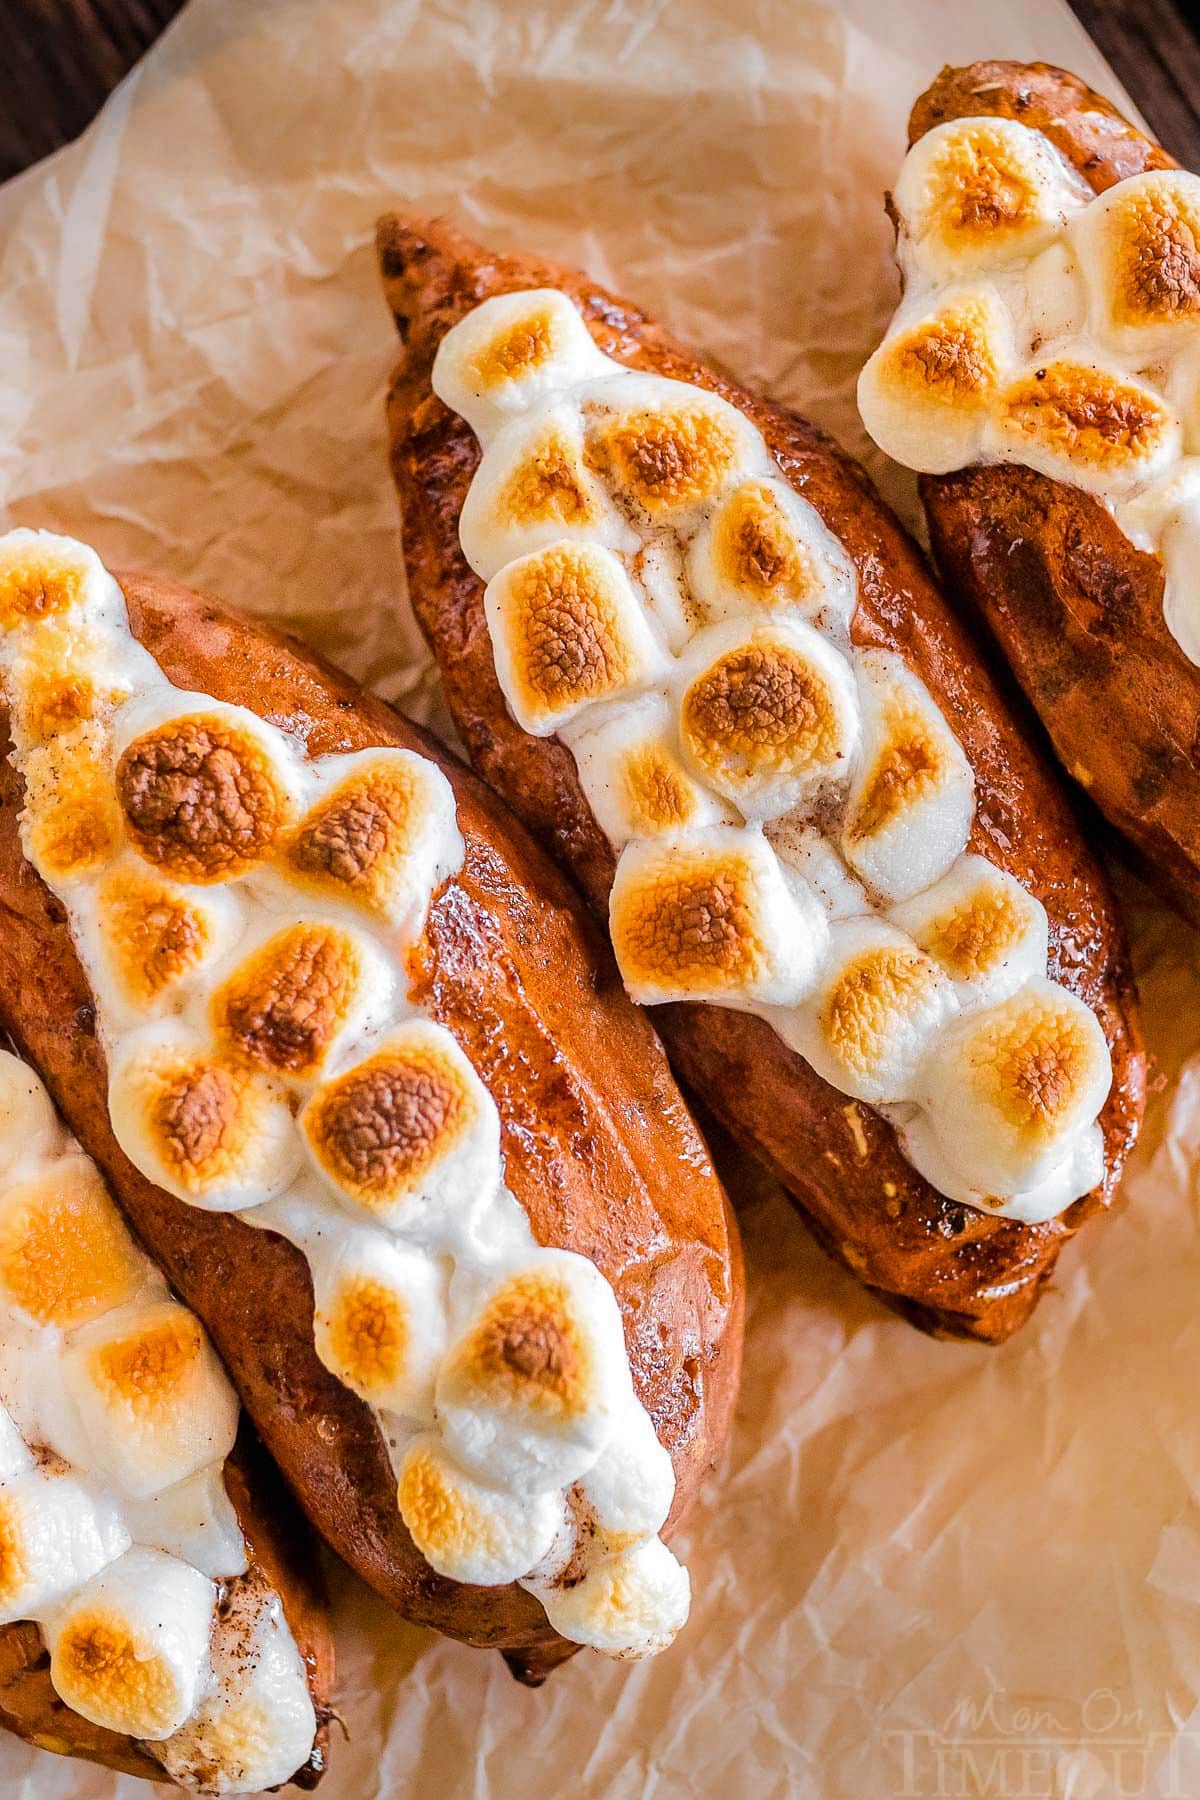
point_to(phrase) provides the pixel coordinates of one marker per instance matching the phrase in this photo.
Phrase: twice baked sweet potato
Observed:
(947, 1266)
(1073, 605)
(598, 1146)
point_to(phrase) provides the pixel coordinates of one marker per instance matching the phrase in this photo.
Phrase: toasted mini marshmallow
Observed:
(44, 576)
(529, 1394)
(981, 926)
(382, 834)
(510, 353)
(143, 936)
(71, 825)
(152, 1398)
(712, 915)
(979, 193)
(1046, 298)
(29, 1126)
(633, 777)
(1016, 1082)
(65, 1255)
(1079, 1171)
(631, 1486)
(568, 629)
(54, 1535)
(665, 448)
(466, 1530)
(206, 789)
(926, 393)
(380, 1322)
(298, 994)
(195, 1520)
(255, 1726)
(768, 713)
(630, 1605)
(1139, 247)
(210, 1131)
(1080, 423)
(130, 1649)
(534, 488)
(410, 1134)
(808, 853)
(874, 1013)
(66, 672)
(912, 798)
(765, 549)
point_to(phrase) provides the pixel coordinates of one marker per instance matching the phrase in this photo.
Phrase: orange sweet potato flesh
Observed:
(948, 1268)
(280, 1548)
(599, 1146)
(1072, 605)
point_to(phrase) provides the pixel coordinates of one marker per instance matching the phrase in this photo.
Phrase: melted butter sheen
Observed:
(1050, 327)
(793, 814)
(115, 1421)
(244, 915)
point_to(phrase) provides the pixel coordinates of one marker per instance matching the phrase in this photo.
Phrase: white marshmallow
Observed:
(878, 1004)
(1081, 1170)
(255, 1726)
(1079, 422)
(195, 1520)
(145, 940)
(510, 353)
(54, 1534)
(980, 193)
(912, 797)
(152, 1398)
(29, 1128)
(1015, 1085)
(762, 550)
(467, 1530)
(768, 713)
(380, 1322)
(209, 1132)
(632, 1484)
(380, 835)
(987, 932)
(630, 1605)
(410, 1135)
(1139, 247)
(568, 630)
(810, 855)
(533, 488)
(15, 1454)
(926, 393)
(713, 915)
(130, 1649)
(666, 449)
(529, 1394)
(632, 774)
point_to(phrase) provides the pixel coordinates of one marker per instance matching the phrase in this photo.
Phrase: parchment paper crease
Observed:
(928, 1569)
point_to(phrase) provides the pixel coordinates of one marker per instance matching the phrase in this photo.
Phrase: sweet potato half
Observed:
(1073, 606)
(947, 1267)
(599, 1147)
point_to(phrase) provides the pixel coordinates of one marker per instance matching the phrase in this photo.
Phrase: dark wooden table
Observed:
(61, 57)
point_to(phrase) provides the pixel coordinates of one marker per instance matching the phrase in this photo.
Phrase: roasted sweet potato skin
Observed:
(599, 1145)
(1071, 604)
(280, 1549)
(946, 1267)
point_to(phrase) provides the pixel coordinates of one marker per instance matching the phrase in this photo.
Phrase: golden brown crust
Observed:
(948, 1268)
(600, 1148)
(280, 1548)
(1075, 609)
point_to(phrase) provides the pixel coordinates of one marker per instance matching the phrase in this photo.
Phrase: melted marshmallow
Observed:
(244, 915)
(1044, 325)
(792, 814)
(115, 1421)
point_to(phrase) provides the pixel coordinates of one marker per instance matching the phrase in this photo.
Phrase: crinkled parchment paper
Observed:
(928, 1569)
